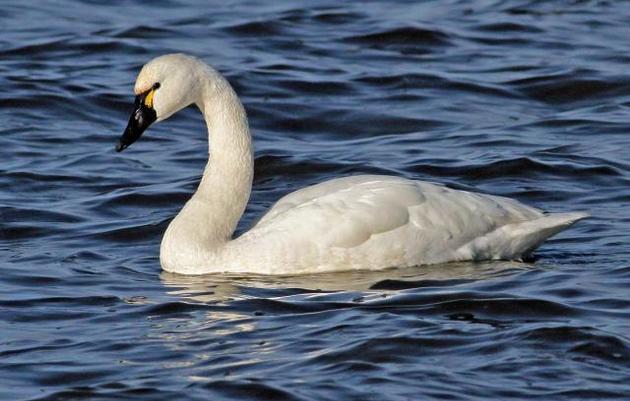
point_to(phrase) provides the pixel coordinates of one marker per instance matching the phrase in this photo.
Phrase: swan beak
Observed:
(143, 115)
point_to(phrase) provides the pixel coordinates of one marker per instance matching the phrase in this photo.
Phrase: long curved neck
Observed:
(210, 217)
(226, 184)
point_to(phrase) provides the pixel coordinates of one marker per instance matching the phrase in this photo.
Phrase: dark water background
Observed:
(527, 99)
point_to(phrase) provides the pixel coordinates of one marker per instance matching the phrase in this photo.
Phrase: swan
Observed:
(349, 223)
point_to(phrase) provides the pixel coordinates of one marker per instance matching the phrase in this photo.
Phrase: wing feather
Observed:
(347, 212)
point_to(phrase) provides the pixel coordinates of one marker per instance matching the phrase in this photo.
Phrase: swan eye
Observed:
(148, 99)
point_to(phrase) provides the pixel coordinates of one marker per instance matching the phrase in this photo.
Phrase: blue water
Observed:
(526, 99)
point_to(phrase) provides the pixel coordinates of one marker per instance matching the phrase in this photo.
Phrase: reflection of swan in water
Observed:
(349, 223)
(216, 288)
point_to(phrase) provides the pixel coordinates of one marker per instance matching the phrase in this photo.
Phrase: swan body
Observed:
(357, 222)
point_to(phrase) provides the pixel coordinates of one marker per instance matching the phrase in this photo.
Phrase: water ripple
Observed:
(526, 99)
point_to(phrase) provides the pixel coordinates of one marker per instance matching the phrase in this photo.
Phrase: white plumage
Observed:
(357, 222)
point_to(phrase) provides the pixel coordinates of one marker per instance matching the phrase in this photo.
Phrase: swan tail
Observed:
(518, 240)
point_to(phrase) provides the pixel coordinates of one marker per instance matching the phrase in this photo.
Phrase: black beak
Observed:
(140, 119)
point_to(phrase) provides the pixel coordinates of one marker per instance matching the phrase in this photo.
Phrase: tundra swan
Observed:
(356, 222)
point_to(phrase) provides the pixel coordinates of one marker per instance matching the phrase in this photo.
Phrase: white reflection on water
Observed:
(225, 287)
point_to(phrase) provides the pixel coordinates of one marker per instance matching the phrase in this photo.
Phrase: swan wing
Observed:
(313, 192)
(347, 212)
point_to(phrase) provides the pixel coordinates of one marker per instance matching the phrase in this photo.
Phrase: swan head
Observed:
(164, 86)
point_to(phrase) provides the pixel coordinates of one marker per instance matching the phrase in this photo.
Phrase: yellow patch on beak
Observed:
(148, 99)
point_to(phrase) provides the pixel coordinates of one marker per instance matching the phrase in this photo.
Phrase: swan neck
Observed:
(210, 217)
(227, 179)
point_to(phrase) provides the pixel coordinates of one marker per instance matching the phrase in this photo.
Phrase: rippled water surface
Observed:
(527, 99)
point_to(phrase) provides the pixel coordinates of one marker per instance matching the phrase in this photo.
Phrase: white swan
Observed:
(358, 222)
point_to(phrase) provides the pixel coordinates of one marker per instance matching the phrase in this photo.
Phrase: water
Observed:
(527, 99)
